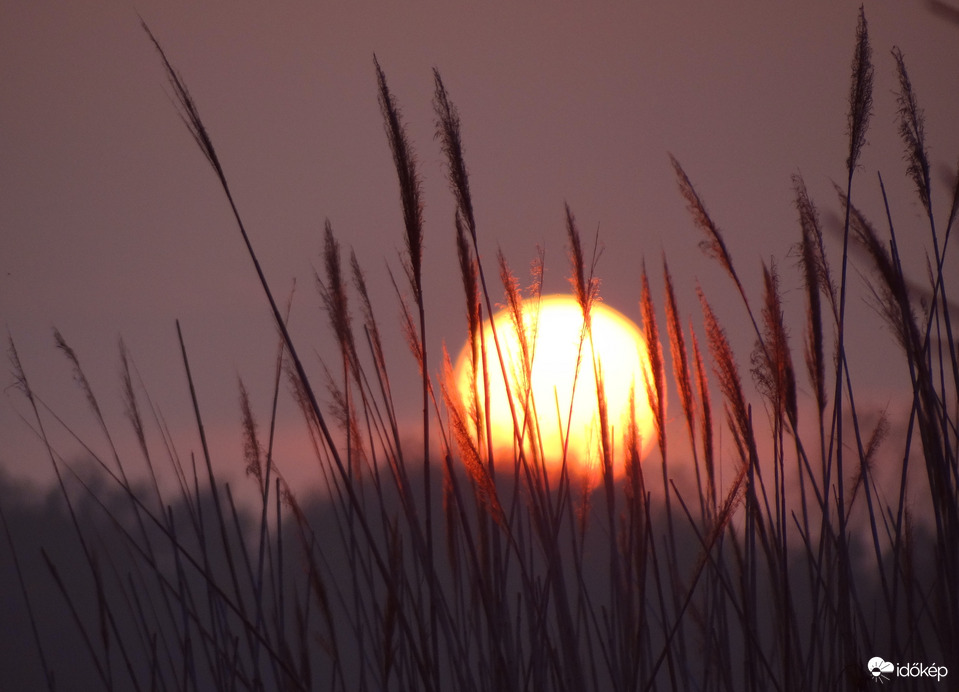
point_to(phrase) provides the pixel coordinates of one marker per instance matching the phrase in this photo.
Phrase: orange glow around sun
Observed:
(554, 328)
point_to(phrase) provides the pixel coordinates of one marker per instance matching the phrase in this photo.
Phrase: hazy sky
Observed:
(112, 224)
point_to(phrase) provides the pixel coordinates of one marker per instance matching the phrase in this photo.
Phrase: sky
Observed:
(112, 225)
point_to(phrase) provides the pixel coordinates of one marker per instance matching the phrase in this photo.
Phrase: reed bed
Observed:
(434, 566)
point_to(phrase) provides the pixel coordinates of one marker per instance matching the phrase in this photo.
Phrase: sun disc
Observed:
(558, 409)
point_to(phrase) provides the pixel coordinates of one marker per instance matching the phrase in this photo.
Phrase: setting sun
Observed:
(556, 341)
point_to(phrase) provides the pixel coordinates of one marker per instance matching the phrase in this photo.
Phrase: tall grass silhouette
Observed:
(433, 565)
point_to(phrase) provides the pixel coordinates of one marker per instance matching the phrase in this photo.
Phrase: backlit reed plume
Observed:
(860, 92)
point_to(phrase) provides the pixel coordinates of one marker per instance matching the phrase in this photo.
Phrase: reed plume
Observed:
(816, 280)
(860, 92)
(730, 384)
(683, 378)
(404, 161)
(656, 377)
(252, 450)
(463, 434)
(448, 132)
(891, 291)
(582, 278)
(771, 359)
(706, 419)
(714, 244)
(912, 130)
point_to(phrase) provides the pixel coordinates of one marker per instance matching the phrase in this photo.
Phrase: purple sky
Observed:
(112, 224)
